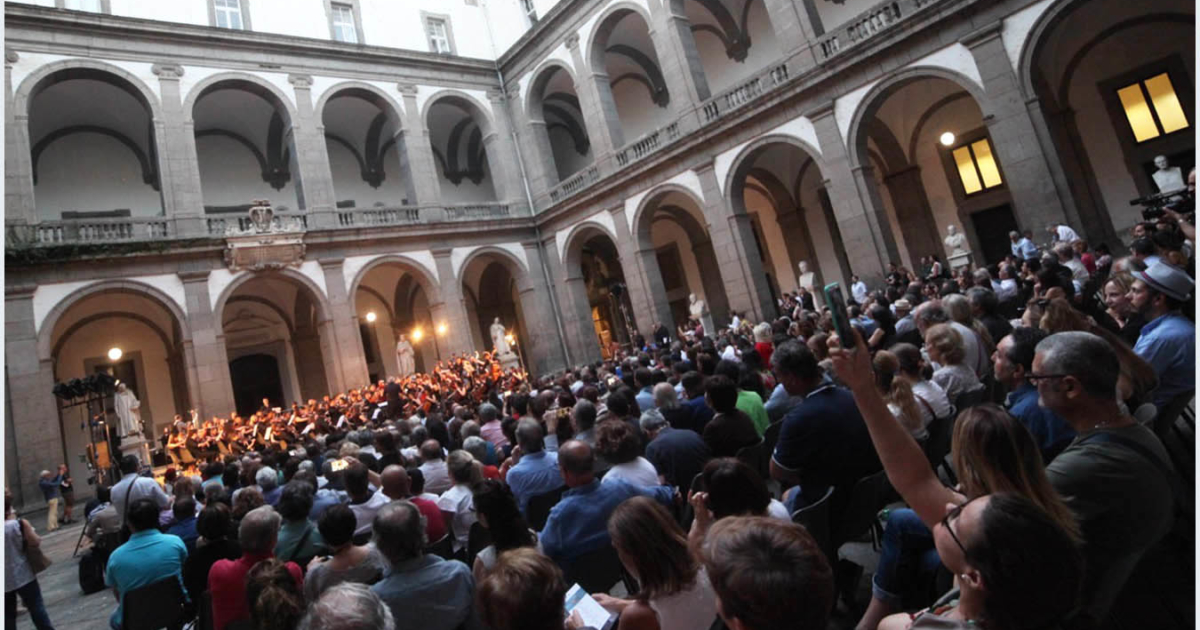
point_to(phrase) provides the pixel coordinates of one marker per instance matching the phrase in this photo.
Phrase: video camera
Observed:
(1181, 201)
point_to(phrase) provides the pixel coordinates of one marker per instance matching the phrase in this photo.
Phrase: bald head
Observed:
(395, 482)
(431, 450)
(577, 462)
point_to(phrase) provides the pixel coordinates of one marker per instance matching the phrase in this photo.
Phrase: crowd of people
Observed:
(473, 497)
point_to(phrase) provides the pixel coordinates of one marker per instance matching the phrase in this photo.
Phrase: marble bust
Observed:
(1168, 178)
(956, 242)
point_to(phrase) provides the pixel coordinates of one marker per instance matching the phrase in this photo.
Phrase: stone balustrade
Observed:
(647, 144)
(744, 93)
(867, 25)
(574, 184)
(370, 217)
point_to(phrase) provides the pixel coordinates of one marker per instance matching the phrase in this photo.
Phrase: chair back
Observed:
(771, 438)
(538, 509)
(858, 514)
(966, 400)
(755, 456)
(597, 571)
(443, 548)
(937, 445)
(477, 540)
(815, 518)
(1165, 419)
(154, 606)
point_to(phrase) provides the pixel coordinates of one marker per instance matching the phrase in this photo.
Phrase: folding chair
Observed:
(816, 519)
(597, 571)
(155, 606)
(538, 509)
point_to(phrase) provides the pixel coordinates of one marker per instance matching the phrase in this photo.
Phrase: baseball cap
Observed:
(1168, 280)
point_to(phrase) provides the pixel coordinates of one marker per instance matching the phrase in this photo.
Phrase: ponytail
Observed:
(901, 395)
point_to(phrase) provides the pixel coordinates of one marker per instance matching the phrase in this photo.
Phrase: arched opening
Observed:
(933, 164)
(255, 377)
(556, 115)
(782, 188)
(248, 155)
(1116, 84)
(400, 299)
(593, 255)
(150, 362)
(93, 150)
(678, 251)
(492, 288)
(278, 316)
(636, 87)
(460, 132)
(365, 143)
(734, 39)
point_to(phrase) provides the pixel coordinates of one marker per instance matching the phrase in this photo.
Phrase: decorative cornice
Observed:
(982, 35)
(820, 111)
(18, 291)
(514, 93)
(167, 71)
(301, 81)
(407, 89)
(193, 276)
(495, 96)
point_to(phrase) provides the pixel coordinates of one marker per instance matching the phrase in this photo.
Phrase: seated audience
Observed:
(299, 541)
(147, 557)
(1168, 340)
(524, 591)
(398, 485)
(497, 511)
(944, 345)
(536, 470)
(184, 511)
(730, 429)
(455, 503)
(363, 502)
(1013, 365)
(273, 596)
(348, 606)
(257, 534)
(214, 526)
(677, 454)
(666, 400)
(347, 562)
(617, 443)
(433, 466)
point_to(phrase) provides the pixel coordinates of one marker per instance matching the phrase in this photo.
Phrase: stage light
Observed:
(371, 317)
(114, 354)
(441, 329)
(417, 334)
(946, 139)
(510, 338)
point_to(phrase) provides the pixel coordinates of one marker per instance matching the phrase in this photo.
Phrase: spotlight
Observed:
(441, 329)
(946, 139)
(114, 354)
(417, 334)
(370, 317)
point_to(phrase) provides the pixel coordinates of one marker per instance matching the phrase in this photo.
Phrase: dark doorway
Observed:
(255, 377)
(991, 230)
(124, 372)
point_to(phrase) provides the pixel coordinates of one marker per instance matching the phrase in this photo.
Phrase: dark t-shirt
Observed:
(727, 433)
(678, 455)
(825, 441)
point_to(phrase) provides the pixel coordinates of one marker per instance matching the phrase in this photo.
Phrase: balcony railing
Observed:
(370, 217)
(744, 93)
(869, 24)
(574, 184)
(469, 211)
(647, 144)
(90, 231)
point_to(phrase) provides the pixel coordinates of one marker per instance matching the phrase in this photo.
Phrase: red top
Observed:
(765, 350)
(491, 472)
(227, 584)
(435, 525)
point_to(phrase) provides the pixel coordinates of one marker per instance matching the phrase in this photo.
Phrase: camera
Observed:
(1153, 206)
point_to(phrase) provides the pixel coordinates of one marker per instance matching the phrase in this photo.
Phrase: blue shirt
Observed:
(536, 473)
(429, 593)
(825, 442)
(579, 523)
(186, 531)
(1024, 249)
(325, 499)
(701, 412)
(645, 399)
(1168, 344)
(148, 556)
(780, 402)
(1051, 432)
(50, 487)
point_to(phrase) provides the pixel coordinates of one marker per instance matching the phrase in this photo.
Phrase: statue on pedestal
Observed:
(808, 280)
(129, 412)
(699, 311)
(1168, 178)
(959, 252)
(499, 343)
(405, 356)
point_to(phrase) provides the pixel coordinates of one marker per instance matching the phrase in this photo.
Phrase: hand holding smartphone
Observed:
(837, 308)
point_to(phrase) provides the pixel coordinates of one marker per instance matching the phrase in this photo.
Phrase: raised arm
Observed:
(902, 458)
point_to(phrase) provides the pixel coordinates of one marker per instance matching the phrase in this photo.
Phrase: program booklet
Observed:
(593, 614)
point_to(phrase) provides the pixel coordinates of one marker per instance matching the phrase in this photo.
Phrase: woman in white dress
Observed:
(675, 592)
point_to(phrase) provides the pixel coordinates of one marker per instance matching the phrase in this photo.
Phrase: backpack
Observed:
(91, 572)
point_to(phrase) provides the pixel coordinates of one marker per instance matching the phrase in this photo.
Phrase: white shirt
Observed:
(776, 509)
(437, 478)
(460, 501)
(142, 488)
(364, 513)
(1065, 233)
(639, 472)
(859, 291)
(730, 354)
(1006, 289)
(693, 608)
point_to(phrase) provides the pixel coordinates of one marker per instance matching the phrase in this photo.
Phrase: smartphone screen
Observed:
(837, 308)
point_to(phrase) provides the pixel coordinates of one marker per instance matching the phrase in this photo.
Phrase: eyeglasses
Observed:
(1034, 378)
(952, 515)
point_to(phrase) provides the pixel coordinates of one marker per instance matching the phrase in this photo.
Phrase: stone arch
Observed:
(396, 110)
(320, 300)
(644, 215)
(50, 321)
(281, 98)
(577, 237)
(485, 121)
(73, 328)
(33, 83)
(604, 25)
(426, 281)
(541, 75)
(517, 267)
(879, 93)
(741, 163)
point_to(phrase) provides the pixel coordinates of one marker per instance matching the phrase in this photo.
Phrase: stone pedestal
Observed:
(958, 261)
(509, 360)
(137, 446)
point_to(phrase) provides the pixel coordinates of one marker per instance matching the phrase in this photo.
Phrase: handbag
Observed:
(37, 558)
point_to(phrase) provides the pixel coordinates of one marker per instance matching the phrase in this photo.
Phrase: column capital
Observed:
(495, 96)
(193, 276)
(10, 56)
(513, 93)
(328, 263)
(407, 89)
(982, 35)
(301, 81)
(441, 252)
(19, 291)
(572, 41)
(820, 111)
(167, 71)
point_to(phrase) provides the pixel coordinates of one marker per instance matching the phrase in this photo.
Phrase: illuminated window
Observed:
(977, 168)
(1152, 108)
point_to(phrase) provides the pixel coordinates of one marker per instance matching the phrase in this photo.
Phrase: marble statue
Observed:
(499, 343)
(699, 311)
(808, 281)
(956, 242)
(405, 356)
(129, 413)
(1168, 178)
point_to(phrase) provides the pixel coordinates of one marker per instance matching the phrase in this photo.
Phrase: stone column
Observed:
(18, 161)
(917, 226)
(736, 256)
(533, 142)
(863, 224)
(178, 164)
(418, 152)
(680, 64)
(1023, 162)
(452, 309)
(599, 108)
(574, 306)
(643, 278)
(347, 340)
(29, 381)
(546, 345)
(502, 157)
(207, 361)
(794, 31)
(314, 182)
(1072, 171)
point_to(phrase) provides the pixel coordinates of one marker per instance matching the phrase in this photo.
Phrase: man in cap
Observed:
(906, 327)
(1168, 340)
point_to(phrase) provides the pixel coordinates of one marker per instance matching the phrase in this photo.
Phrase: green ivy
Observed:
(31, 256)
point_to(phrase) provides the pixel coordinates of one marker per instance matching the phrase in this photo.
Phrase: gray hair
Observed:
(469, 428)
(652, 420)
(461, 466)
(958, 307)
(1087, 357)
(931, 313)
(348, 606)
(399, 532)
(266, 478)
(584, 414)
(306, 465)
(1014, 234)
(476, 446)
(488, 412)
(665, 396)
(258, 530)
(529, 436)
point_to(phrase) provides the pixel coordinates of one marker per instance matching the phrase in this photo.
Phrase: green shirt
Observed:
(752, 404)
